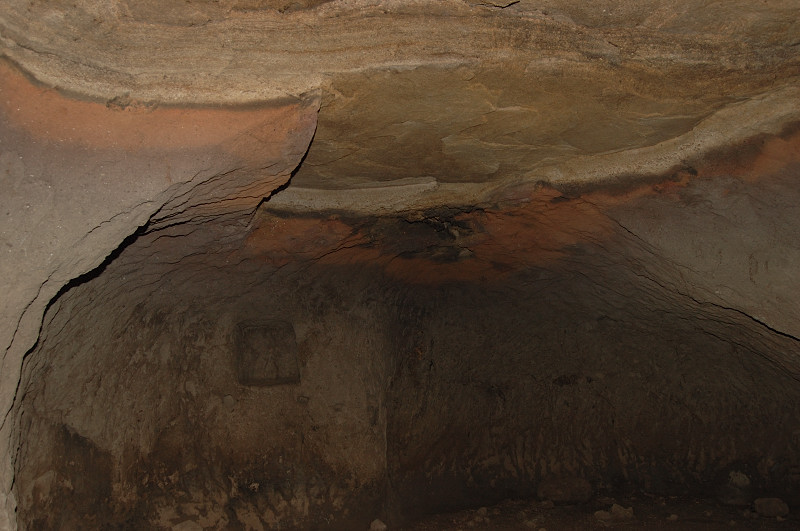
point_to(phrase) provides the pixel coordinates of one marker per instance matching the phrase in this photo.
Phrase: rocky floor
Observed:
(633, 512)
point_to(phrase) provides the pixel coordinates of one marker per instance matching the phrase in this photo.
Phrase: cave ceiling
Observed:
(425, 103)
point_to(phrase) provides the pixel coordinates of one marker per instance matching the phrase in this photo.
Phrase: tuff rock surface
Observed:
(484, 244)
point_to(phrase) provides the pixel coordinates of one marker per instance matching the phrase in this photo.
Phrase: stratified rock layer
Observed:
(484, 177)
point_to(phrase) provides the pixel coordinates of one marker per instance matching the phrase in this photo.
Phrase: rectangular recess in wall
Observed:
(266, 353)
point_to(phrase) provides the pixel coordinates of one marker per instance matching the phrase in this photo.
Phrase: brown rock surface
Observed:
(586, 208)
(615, 513)
(566, 490)
(771, 507)
(80, 177)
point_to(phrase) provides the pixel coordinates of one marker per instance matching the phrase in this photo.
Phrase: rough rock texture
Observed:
(566, 490)
(522, 232)
(771, 507)
(81, 177)
(445, 361)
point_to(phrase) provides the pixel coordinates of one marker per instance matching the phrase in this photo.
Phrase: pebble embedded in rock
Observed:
(771, 507)
(621, 513)
(377, 525)
(229, 402)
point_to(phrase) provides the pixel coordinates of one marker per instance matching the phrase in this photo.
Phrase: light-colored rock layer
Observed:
(449, 91)
(423, 103)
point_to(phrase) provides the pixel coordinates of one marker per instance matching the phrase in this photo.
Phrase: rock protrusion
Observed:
(377, 525)
(771, 507)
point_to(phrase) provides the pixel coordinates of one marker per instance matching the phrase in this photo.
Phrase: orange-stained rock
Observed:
(79, 177)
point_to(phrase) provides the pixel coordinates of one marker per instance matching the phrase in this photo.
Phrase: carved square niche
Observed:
(266, 353)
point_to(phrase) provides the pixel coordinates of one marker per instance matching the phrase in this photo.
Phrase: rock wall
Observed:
(81, 177)
(405, 365)
(155, 377)
(498, 137)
